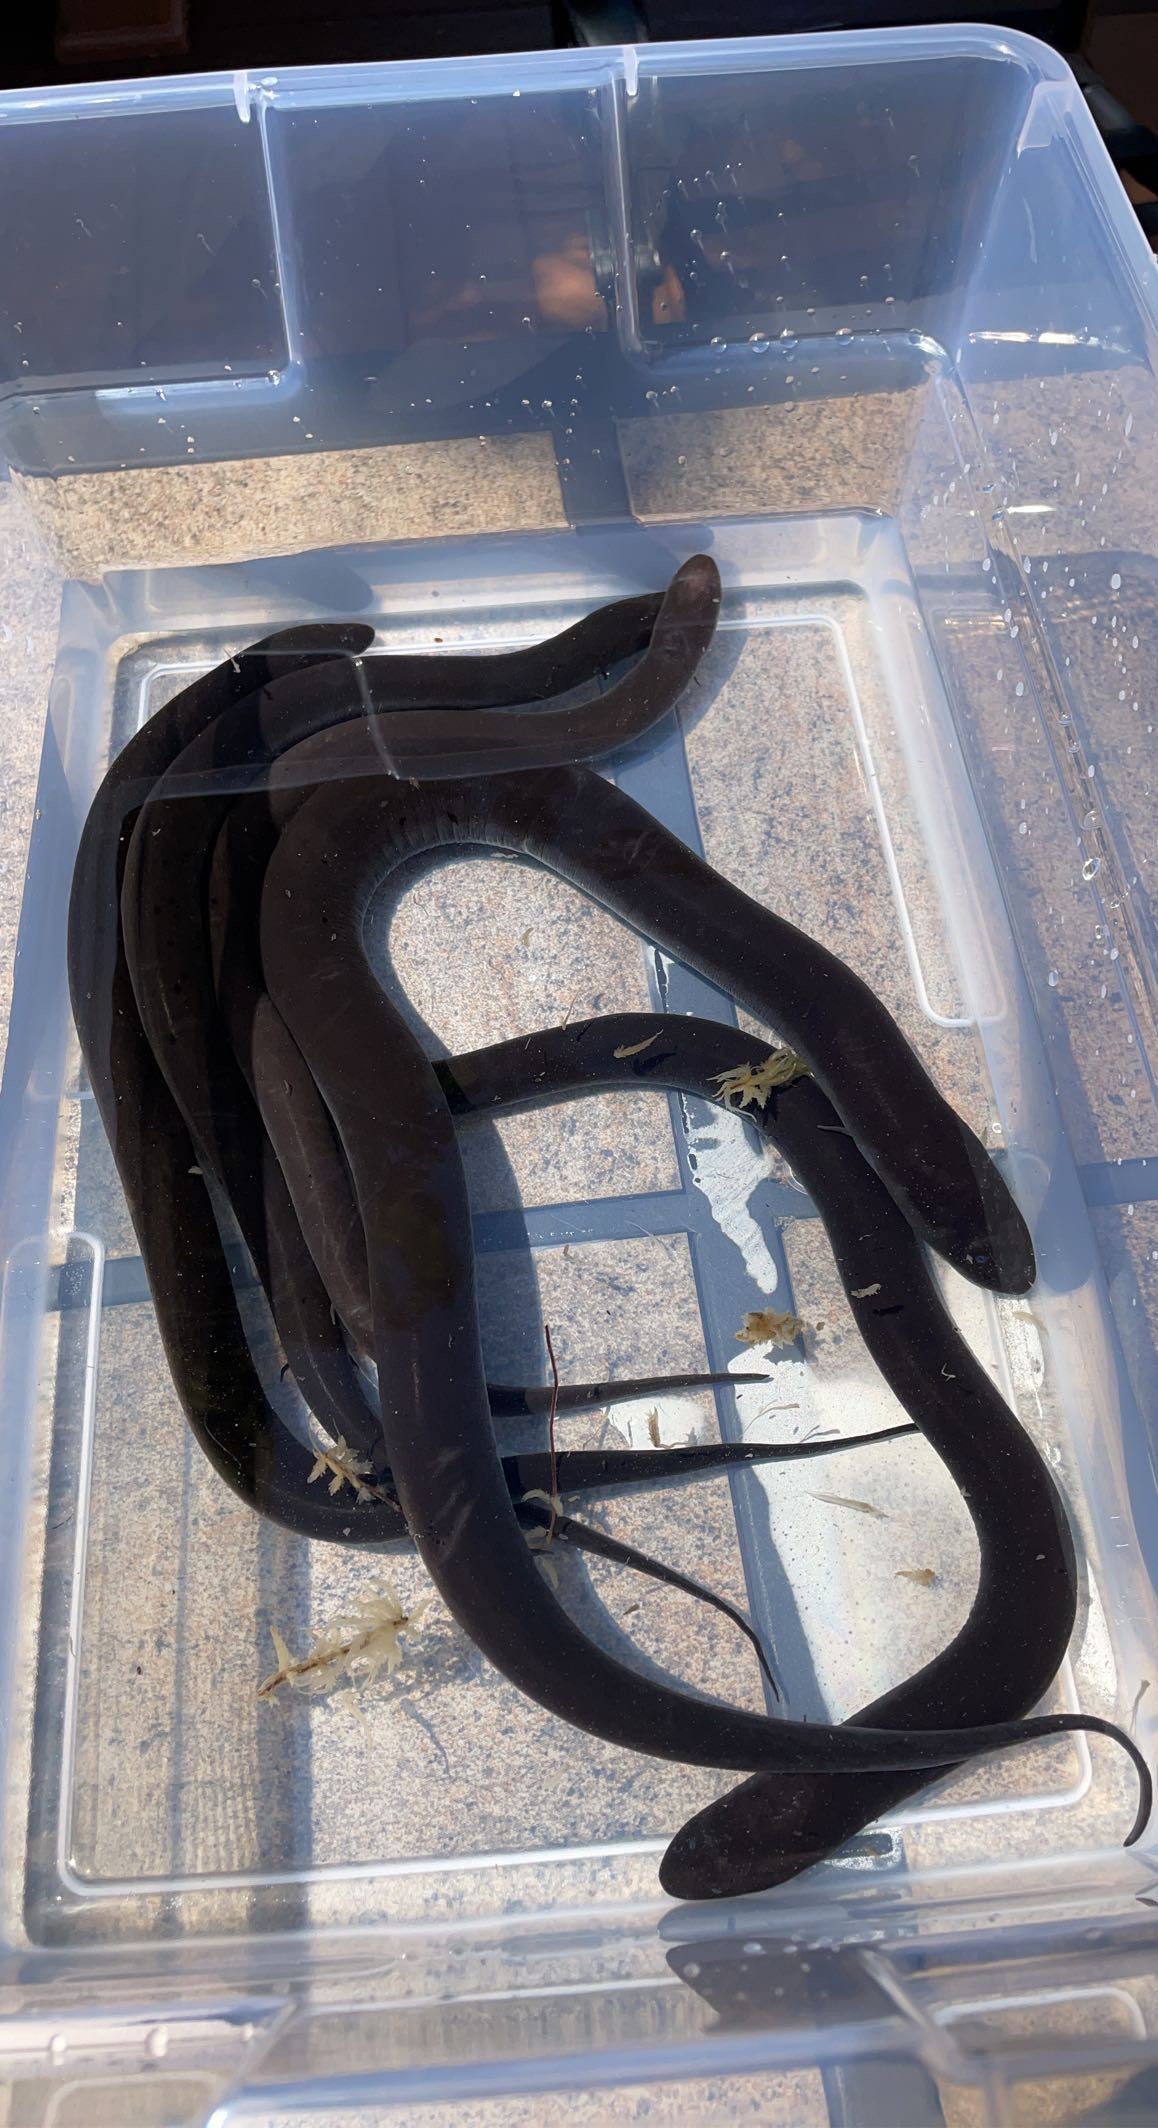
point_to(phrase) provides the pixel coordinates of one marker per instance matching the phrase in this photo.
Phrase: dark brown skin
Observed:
(163, 1178)
(1006, 1655)
(399, 1141)
(165, 1184)
(171, 1210)
(409, 1194)
(934, 1166)
(169, 862)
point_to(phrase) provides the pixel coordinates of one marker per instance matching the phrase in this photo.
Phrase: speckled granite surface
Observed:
(789, 2101)
(166, 515)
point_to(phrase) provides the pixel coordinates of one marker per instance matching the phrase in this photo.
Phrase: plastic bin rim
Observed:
(516, 72)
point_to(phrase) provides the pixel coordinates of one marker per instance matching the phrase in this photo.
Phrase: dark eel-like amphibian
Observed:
(209, 1122)
(165, 1182)
(1007, 1654)
(422, 1299)
(166, 930)
(165, 1187)
(774, 1825)
(398, 1137)
(935, 1166)
(181, 1246)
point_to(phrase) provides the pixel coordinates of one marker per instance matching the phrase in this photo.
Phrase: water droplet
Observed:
(843, 332)
(1091, 868)
(1115, 582)
(787, 340)
(1019, 690)
(1022, 828)
(1129, 423)
(57, 2048)
(1052, 979)
(758, 342)
(157, 2043)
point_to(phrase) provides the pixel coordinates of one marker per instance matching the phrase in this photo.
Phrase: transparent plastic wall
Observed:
(465, 350)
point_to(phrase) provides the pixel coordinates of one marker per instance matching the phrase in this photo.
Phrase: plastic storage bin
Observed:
(465, 349)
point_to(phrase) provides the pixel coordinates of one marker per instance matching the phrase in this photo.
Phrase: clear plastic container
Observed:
(465, 349)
